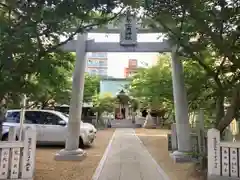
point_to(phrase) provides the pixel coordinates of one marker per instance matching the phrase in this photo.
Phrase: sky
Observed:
(117, 61)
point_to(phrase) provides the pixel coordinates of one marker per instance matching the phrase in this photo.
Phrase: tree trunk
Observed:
(2, 114)
(45, 104)
(231, 110)
(219, 109)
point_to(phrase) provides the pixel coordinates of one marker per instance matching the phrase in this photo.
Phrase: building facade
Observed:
(132, 68)
(113, 85)
(97, 64)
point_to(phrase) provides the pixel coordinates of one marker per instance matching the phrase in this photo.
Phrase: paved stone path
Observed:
(124, 123)
(126, 158)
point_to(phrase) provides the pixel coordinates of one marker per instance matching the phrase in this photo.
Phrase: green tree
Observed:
(91, 87)
(214, 28)
(103, 103)
(52, 84)
(153, 87)
(31, 31)
(48, 90)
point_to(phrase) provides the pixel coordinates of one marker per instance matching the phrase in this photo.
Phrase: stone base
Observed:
(181, 157)
(75, 155)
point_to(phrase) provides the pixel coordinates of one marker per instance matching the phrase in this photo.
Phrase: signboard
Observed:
(128, 34)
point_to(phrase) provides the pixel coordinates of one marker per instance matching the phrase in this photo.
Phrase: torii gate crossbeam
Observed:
(92, 46)
(128, 43)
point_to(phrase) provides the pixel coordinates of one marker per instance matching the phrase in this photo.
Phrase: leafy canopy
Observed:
(104, 103)
(31, 34)
(207, 32)
(153, 86)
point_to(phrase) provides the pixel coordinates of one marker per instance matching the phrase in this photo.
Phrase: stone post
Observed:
(181, 110)
(72, 151)
(214, 152)
(201, 133)
(174, 136)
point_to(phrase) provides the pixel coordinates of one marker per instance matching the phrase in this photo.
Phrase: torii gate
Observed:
(128, 43)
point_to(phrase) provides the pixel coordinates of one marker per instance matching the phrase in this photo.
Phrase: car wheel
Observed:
(81, 144)
(5, 137)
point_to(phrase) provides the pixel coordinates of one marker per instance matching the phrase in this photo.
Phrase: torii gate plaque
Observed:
(128, 34)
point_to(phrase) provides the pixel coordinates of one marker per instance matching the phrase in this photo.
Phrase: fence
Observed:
(198, 137)
(17, 158)
(223, 157)
(198, 140)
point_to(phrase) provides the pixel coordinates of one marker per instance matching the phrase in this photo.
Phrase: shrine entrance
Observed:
(128, 43)
(122, 108)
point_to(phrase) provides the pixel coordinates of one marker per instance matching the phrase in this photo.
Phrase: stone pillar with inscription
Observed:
(213, 152)
(181, 111)
(72, 150)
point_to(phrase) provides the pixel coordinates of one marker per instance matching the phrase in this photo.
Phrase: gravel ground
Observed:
(155, 141)
(49, 169)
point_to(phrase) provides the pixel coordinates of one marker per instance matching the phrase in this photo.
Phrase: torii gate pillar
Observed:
(181, 111)
(72, 150)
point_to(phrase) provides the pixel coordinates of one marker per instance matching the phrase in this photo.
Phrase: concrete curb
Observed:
(160, 170)
(100, 166)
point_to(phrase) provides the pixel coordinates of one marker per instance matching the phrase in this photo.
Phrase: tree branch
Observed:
(190, 51)
(218, 42)
(81, 29)
(231, 110)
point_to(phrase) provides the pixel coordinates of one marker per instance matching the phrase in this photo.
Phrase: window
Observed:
(92, 62)
(103, 63)
(102, 72)
(33, 117)
(50, 118)
(13, 117)
(132, 63)
(99, 55)
(93, 72)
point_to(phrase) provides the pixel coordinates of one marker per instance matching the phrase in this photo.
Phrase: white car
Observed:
(51, 126)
